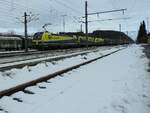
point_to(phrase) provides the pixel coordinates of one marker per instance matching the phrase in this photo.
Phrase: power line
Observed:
(64, 23)
(17, 5)
(113, 3)
(66, 6)
(14, 4)
(133, 5)
(110, 19)
(8, 5)
(70, 4)
(27, 20)
(116, 10)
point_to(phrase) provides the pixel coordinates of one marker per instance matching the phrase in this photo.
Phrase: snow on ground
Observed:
(15, 77)
(30, 59)
(19, 51)
(41, 57)
(118, 83)
(7, 61)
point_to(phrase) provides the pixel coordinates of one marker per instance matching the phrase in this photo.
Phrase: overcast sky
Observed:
(51, 11)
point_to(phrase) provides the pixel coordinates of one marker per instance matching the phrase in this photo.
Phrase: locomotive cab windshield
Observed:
(37, 36)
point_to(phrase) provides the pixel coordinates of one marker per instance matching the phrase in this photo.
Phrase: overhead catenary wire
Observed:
(16, 4)
(20, 7)
(12, 9)
(110, 19)
(66, 6)
(6, 12)
(17, 9)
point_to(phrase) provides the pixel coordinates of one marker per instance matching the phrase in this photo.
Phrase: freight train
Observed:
(13, 42)
(46, 40)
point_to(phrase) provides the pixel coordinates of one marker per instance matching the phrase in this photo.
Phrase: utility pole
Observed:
(25, 31)
(81, 28)
(64, 23)
(147, 19)
(120, 33)
(86, 22)
(26, 19)
(127, 32)
(95, 13)
(120, 27)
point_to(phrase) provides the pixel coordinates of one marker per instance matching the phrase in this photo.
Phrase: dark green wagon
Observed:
(10, 43)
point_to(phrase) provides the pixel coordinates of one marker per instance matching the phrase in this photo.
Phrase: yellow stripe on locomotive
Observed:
(48, 37)
(43, 37)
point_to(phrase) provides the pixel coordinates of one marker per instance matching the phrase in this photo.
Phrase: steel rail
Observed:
(32, 63)
(22, 87)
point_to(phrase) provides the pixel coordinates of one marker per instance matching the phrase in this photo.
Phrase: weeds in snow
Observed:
(9, 74)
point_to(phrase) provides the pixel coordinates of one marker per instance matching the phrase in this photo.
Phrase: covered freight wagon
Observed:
(10, 42)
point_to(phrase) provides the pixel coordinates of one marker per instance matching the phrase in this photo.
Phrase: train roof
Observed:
(10, 38)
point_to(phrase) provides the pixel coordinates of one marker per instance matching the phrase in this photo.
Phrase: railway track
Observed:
(14, 54)
(23, 86)
(11, 54)
(32, 62)
(7, 64)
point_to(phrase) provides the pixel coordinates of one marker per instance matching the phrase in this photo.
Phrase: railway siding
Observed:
(11, 90)
(32, 62)
(40, 56)
(45, 78)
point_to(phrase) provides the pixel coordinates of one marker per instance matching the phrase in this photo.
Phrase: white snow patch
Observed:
(118, 83)
(15, 77)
